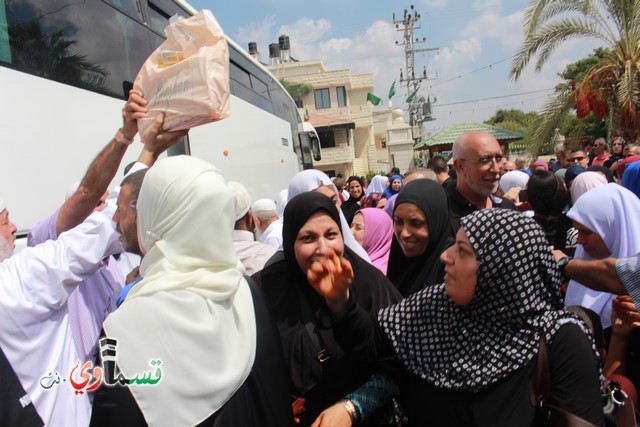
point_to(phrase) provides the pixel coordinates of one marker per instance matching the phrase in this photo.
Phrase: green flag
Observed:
(373, 99)
(392, 91)
(412, 95)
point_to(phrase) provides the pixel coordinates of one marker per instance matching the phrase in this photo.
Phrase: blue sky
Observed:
(476, 38)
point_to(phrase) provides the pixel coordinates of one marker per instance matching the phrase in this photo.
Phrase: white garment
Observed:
(585, 182)
(612, 212)
(35, 334)
(377, 185)
(272, 236)
(253, 255)
(193, 309)
(310, 180)
(513, 179)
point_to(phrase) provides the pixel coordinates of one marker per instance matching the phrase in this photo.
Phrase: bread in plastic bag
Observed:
(187, 76)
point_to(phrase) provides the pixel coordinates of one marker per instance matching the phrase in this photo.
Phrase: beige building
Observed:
(337, 107)
(394, 145)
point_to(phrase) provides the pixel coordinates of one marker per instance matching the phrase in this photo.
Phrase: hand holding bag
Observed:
(187, 76)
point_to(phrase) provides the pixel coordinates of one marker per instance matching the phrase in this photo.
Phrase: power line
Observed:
(493, 97)
(490, 66)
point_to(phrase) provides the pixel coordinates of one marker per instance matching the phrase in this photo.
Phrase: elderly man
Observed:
(508, 166)
(267, 220)
(600, 151)
(253, 255)
(478, 161)
(36, 334)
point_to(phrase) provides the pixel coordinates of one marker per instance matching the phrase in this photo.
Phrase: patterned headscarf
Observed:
(517, 300)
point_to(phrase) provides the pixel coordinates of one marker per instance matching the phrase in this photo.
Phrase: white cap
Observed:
(263, 205)
(243, 199)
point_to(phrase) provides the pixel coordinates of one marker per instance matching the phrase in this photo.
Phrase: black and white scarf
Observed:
(517, 300)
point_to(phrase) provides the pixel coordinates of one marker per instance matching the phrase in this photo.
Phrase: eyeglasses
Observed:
(485, 160)
(577, 159)
(133, 206)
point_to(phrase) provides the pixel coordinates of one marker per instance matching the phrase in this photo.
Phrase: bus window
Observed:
(158, 18)
(5, 52)
(130, 7)
(48, 40)
(259, 87)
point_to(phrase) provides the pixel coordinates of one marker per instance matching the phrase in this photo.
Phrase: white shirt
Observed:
(272, 236)
(253, 255)
(35, 334)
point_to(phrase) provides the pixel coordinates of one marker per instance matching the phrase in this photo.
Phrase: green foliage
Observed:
(579, 69)
(297, 90)
(590, 126)
(370, 174)
(510, 119)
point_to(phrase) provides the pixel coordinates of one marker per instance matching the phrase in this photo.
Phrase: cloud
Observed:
(306, 30)
(483, 5)
(491, 25)
(256, 32)
(435, 4)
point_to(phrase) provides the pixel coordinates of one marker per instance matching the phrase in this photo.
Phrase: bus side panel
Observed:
(50, 133)
(248, 148)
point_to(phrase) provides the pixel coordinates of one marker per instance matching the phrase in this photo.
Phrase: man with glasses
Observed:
(601, 153)
(478, 161)
(579, 157)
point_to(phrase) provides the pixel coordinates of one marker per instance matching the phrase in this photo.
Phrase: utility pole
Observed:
(419, 110)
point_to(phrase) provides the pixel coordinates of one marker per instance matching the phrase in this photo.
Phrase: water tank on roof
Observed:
(253, 48)
(274, 50)
(283, 42)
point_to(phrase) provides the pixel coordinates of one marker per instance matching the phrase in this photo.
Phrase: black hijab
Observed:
(292, 300)
(351, 205)
(410, 275)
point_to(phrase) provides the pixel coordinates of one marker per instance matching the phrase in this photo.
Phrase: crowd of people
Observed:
(431, 297)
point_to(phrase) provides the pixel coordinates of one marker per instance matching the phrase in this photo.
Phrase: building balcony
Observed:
(336, 155)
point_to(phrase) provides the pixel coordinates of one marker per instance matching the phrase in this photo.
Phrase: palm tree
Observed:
(611, 87)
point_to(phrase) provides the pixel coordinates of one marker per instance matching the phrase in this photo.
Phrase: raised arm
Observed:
(102, 170)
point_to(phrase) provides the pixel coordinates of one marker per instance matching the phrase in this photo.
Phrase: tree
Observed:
(513, 119)
(608, 88)
(297, 90)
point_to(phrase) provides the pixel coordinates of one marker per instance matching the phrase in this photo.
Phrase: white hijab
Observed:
(377, 185)
(514, 179)
(193, 310)
(310, 180)
(612, 212)
(585, 182)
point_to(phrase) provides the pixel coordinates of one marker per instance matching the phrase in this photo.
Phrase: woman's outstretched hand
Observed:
(331, 277)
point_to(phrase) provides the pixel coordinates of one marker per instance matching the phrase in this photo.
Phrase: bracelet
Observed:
(352, 410)
(120, 138)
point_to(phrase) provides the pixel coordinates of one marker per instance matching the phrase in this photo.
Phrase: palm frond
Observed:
(628, 85)
(553, 115)
(547, 39)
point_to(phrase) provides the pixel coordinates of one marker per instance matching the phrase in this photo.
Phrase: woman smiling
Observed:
(421, 232)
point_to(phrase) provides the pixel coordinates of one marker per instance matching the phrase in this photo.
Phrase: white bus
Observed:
(65, 68)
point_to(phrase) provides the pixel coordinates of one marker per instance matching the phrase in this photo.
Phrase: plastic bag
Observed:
(187, 76)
